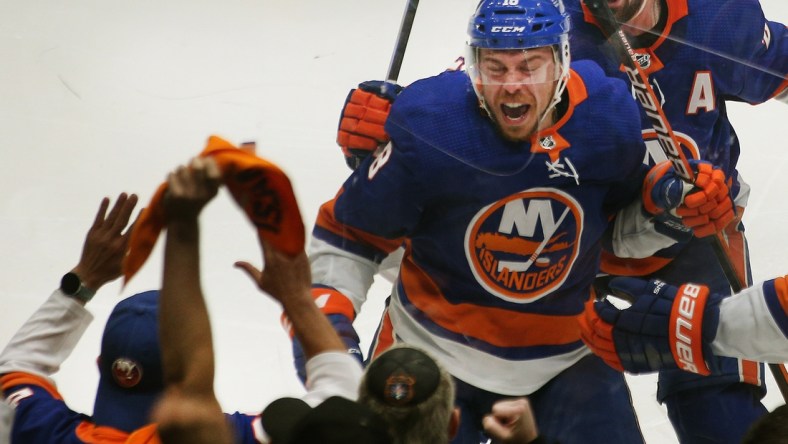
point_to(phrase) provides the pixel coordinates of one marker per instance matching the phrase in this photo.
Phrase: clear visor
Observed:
(514, 66)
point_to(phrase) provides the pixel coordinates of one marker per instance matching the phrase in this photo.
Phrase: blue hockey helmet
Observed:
(519, 25)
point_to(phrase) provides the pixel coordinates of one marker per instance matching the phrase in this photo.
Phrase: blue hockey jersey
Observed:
(710, 52)
(502, 239)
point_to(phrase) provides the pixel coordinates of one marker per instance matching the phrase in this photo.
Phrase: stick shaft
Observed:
(402, 40)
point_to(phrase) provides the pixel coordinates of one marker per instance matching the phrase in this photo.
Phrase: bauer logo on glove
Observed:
(665, 327)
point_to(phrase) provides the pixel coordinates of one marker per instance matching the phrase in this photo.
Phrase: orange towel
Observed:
(259, 187)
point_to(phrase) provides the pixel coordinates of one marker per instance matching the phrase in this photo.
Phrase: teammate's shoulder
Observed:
(597, 83)
(443, 87)
(717, 16)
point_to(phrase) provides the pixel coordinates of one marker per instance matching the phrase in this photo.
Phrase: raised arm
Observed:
(189, 411)
(49, 336)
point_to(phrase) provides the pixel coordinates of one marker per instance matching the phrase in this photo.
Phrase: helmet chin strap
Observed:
(563, 77)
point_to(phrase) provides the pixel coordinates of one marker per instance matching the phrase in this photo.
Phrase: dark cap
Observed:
(402, 377)
(130, 368)
(335, 420)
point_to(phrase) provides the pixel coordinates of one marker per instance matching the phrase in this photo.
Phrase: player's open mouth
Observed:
(514, 112)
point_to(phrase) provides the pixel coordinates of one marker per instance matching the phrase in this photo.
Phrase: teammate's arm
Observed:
(754, 323)
(761, 47)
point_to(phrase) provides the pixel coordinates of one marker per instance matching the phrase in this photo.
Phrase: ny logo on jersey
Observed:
(522, 247)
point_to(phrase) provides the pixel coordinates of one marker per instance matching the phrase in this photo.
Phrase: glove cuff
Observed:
(686, 328)
(654, 175)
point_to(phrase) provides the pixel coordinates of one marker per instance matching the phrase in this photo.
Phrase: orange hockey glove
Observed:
(705, 206)
(361, 130)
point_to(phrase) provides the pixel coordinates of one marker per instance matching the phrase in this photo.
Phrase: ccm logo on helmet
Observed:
(507, 29)
(686, 334)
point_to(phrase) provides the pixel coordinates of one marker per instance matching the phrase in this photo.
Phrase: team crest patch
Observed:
(523, 247)
(399, 389)
(126, 372)
(547, 143)
(644, 60)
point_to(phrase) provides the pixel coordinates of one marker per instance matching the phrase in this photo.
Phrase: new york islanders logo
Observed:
(399, 389)
(126, 372)
(523, 247)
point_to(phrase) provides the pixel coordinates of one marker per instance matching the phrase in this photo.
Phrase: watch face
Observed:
(70, 284)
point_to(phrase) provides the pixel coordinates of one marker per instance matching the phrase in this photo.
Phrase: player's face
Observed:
(517, 86)
(626, 10)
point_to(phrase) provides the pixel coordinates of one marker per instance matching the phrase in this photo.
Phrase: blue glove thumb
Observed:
(381, 88)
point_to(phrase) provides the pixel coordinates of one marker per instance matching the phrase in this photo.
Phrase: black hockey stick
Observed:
(667, 141)
(402, 40)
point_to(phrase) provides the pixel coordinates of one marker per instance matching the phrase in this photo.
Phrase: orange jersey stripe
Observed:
(91, 433)
(750, 372)
(19, 378)
(781, 288)
(326, 219)
(612, 264)
(496, 326)
(385, 337)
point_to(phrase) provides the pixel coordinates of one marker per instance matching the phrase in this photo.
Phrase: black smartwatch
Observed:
(71, 285)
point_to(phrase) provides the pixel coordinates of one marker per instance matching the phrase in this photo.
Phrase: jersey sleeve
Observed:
(378, 205)
(332, 374)
(754, 323)
(758, 51)
(41, 415)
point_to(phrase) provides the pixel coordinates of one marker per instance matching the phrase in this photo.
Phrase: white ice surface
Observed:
(100, 97)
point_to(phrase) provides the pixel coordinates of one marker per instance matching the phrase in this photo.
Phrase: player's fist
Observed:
(705, 206)
(363, 116)
(665, 327)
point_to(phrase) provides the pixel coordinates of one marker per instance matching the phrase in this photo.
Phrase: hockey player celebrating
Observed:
(694, 68)
(493, 184)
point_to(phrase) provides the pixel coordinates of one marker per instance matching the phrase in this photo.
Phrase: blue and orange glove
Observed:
(666, 327)
(705, 207)
(361, 125)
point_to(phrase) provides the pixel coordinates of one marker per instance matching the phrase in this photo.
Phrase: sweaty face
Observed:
(517, 86)
(625, 10)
